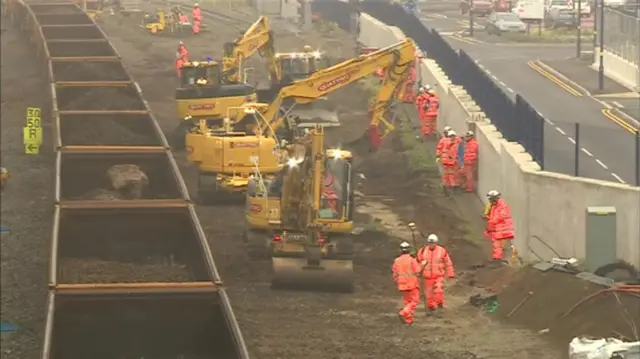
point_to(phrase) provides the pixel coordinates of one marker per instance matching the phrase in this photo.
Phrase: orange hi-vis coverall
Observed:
(437, 263)
(420, 100)
(499, 227)
(407, 92)
(449, 159)
(430, 116)
(182, 56)
(197, 19)
(405, 273)
(470, 160)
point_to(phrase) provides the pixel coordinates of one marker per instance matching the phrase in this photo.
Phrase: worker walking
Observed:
(470, 158)
(499, 225)
(435, 264)
(197, 18)
(405, 272)
(448, 156)
(182, 57)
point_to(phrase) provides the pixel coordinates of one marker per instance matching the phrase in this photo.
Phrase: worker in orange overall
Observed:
(421, 98)
(405, 272)
(500, 229)
(470, 158)
(182, 57)
(448, 156)
(407, 91)
(197, 18)
(431, 114)
(423, 109)
(442, 140)
(435, 264)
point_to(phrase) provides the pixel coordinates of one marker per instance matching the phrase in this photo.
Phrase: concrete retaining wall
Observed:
(547, 205)
(619, 69)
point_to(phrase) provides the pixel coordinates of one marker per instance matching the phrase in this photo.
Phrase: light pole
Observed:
(601, 52)
(579, 24)
(471, 18)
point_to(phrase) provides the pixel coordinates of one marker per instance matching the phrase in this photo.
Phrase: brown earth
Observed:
(290, 324)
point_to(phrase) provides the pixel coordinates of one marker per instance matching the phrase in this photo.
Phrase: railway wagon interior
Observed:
(131, 273)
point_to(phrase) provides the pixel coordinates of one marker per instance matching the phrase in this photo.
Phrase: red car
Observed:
(477, 7)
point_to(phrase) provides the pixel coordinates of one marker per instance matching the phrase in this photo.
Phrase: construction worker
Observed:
(435, 264)
(422, 107)
(197, 18)
(421, 97)
(448, 156)
(441, 141)
(431, 113)
(408, 93)
(470, 158)
(405, 273)
(499, 225)
(182, 57)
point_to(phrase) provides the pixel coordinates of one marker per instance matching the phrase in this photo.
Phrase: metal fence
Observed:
(621, 33)
(516, 120)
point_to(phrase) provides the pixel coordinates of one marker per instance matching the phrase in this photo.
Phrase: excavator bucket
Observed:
(303, 273)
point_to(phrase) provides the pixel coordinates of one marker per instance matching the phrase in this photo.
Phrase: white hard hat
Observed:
(432, 238)
(427, 87)
(405, 245)
(470, 134)
(451, 133)
(493, 193)
(196, 5)
(421, 89)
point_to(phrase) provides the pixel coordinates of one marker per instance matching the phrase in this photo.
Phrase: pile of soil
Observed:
(103, 133)
(103, 99)
(89, 71)
(73, 271)
(128, 180)
(554, 295)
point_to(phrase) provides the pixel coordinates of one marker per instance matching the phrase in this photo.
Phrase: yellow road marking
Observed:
(554, 79)
(469, 40)
(618, 121)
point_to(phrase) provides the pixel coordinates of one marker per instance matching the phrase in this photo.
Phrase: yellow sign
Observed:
(31, 149)
(34, 119)
(32, 136)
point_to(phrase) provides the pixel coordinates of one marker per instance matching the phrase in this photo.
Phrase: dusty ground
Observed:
(283, 324)
(26, 202)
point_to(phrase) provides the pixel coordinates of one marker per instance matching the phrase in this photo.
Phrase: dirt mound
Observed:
(99, 98)
(552, 304)
(129, 180)
(98, 271)
(89, 71)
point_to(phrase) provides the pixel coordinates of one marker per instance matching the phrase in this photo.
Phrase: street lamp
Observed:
(471, 18)
(579, 25)
(601, 52)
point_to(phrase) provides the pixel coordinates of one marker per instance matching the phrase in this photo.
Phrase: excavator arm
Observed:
(258, 37)
(397, 59)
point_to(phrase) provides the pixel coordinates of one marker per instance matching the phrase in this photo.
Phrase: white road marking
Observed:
(572, 140)
(561, 131)
(586, 152)
(618, 178)
(601, 164)
(618, 104)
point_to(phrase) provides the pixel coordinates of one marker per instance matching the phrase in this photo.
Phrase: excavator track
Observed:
(131, 273)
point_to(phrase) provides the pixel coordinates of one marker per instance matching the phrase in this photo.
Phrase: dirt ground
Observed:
(288, 324)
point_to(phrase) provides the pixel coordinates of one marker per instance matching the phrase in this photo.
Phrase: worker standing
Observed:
(423, 111)
(420, 98)
(499, 225)
(449, 159)
(197, 18)
(442, 140)
(431, 113)
(470, 158)
(182, 57)
(405, 273)
(408, 92)
(435, 264)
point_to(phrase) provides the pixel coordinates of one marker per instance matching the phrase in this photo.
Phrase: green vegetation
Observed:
(549, 36)
(419, 155)
(326, 28)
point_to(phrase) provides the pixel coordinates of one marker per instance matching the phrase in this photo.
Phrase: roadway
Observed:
(606, 149)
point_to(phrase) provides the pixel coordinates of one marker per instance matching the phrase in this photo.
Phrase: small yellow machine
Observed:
(301, 218)
(307, 216)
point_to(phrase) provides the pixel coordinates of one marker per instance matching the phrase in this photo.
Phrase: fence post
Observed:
(637, 157)
(576, 167)
(542, 135)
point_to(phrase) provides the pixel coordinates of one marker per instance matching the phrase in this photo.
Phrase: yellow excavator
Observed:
(226, 155)
(302, 217)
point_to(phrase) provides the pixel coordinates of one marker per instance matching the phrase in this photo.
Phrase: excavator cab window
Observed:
(301, 67)
(200, 76)
(270, 188)
(335, 188)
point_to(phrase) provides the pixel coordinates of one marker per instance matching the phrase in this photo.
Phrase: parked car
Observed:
(556, 4)
(479, 7)
(500, 22)
(502, 5)
(560, 18)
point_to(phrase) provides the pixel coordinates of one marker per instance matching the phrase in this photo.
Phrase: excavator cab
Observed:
(299, 65)
(202, 95)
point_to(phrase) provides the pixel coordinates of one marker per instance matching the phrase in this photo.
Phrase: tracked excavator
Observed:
(302, 218)
(226, 155)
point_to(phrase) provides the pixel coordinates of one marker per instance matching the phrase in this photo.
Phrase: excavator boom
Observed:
(258, 37)
(397, 59)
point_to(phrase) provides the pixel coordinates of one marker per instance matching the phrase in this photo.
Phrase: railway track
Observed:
(131, 273)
